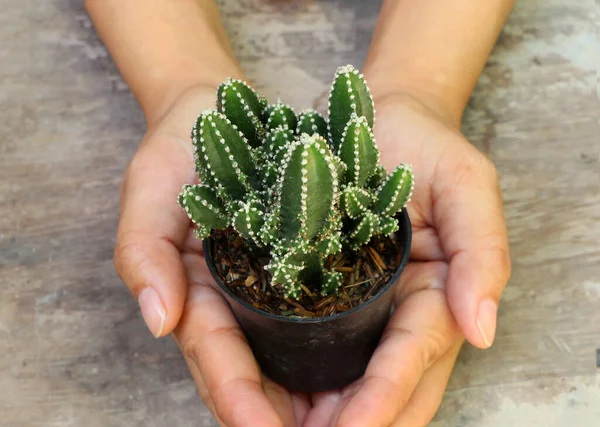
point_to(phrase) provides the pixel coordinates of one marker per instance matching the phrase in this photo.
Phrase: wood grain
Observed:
(75, 350)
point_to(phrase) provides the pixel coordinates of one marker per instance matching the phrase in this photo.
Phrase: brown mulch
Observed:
(365, 273)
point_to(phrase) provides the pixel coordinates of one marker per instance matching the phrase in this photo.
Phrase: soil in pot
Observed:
(365, 272)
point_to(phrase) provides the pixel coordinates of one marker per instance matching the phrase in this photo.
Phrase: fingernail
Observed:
(486, 321)
(153, 310)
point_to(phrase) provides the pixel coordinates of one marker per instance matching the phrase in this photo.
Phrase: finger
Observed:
(203, 391)
(210, 337)
(152, 229)
(301, 405)
(420, 331)
(290, 407)
(425, 244)
(420, 276)
(468, 214)
(281, 400)
(152, 226)
(416, 277)
(427, 397)
(323, 409)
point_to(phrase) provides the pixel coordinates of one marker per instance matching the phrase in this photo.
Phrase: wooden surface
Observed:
(74, 350)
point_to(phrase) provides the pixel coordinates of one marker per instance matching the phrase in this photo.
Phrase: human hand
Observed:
(157, 255)
(450, 289)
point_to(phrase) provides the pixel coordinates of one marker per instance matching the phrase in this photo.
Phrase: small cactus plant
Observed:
(297, 186)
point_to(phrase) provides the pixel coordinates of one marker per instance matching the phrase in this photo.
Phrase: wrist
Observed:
(164, 48)
(428, 93)
(434, 51)
(184, 80)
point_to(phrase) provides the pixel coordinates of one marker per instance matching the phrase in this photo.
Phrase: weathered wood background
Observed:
(73, 348)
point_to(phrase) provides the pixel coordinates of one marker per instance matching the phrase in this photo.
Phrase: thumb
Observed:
(153, 229)
(470, 222)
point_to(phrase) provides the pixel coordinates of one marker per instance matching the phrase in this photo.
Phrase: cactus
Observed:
(349, 96)
(311, 122)
(296, 186)
(280, 115)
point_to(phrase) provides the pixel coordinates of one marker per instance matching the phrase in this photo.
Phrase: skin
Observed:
(422, 66)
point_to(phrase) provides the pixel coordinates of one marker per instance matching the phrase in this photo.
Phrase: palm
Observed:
(422, 340)
(407, 133)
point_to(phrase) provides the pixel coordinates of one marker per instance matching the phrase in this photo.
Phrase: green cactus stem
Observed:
(239, 102)
(395, 192)
(332, 281)
(277, 141)
(349, 95)
(311, 122)
(307, 189)
(223, 155)
(281, 115)
(203, 207)
(301, 262)
(356, 201)
(249, 219)
(264, 104)
(364, 230)
(387, 225)
(269, 173)
(273, 152)
(378, 177)
(289, 262)
(358, 151)
(330, 245)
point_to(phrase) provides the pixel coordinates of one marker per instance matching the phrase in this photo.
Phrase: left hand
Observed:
(459, 266)
(161, 261)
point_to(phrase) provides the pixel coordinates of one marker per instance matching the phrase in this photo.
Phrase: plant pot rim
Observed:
(405, 223)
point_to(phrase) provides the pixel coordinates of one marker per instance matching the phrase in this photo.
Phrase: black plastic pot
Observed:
(316, 354)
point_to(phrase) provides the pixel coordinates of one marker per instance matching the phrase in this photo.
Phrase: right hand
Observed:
(161, 261)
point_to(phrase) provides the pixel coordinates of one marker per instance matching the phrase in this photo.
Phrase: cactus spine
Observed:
(297, 185)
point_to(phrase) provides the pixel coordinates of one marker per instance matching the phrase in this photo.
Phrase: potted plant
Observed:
(304, 230)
